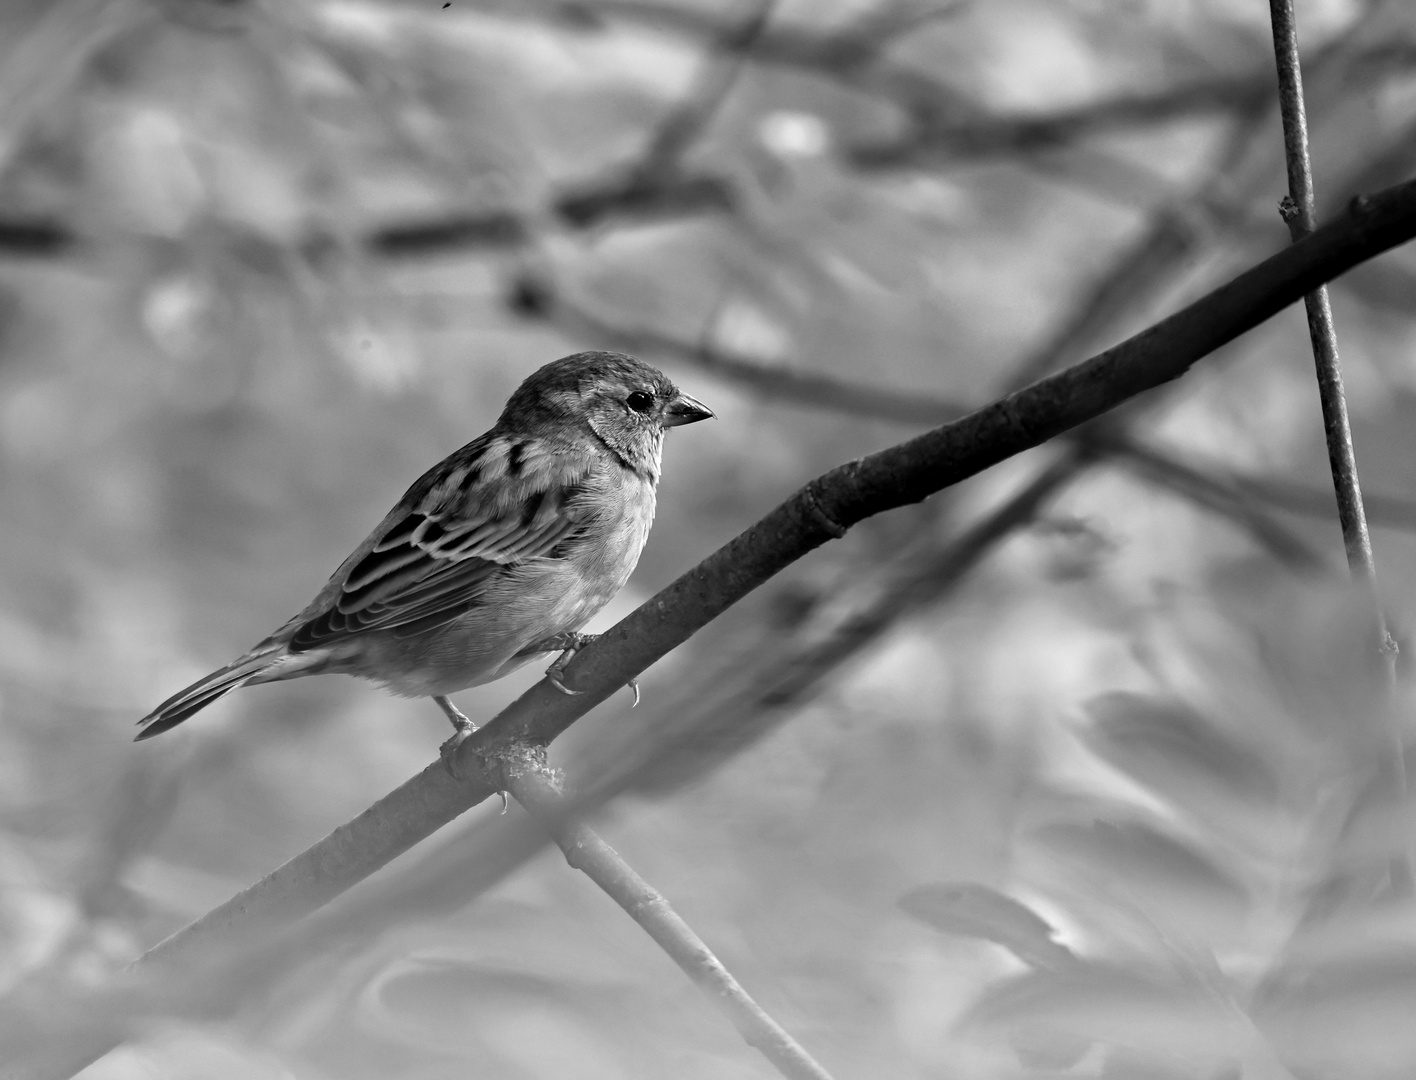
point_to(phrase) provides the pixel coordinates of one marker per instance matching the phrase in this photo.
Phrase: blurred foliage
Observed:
(1231, 893)
(262, 263)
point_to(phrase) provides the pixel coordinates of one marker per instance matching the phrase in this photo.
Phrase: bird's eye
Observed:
(640, 401)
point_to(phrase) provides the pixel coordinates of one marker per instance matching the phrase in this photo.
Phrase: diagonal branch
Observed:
(819, 512)
(693, 739)
(720, 71)
(536, 788)
(949, 121)
(822, 510)
(1170, 234)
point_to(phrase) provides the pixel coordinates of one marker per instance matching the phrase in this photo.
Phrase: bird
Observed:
(500, 552)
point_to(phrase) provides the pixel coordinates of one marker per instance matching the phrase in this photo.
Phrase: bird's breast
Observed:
(621, 512)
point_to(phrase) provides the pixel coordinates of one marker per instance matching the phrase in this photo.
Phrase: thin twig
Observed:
(537, 789)
(1383, 511)
(1218, 494)
(1137, 273)
(1216, 204)
(1298, 211)
(853, 55)
(580, 207)
(715, 80)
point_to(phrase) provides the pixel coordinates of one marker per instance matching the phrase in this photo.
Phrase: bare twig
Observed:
(715, 80)
(948, 121)
(986, 136)
(1387, 511)
(537, 789)
(581, 207)
(1172, 232)
(35, 236)
(1298, 211)
(822, 510)
(788, 44)
(1217, 493)
(1216, 203)
(970, 138)
(654, 185)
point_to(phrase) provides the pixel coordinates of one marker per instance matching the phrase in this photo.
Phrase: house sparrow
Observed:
(498, 553)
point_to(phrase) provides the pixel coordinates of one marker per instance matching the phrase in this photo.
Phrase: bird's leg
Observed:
(464, 727)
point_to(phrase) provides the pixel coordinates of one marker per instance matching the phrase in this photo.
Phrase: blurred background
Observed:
(1082, 768)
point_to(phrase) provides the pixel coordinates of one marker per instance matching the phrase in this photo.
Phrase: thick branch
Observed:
(820, 511)
(526, 777)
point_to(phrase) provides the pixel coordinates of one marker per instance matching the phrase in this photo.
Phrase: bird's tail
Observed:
(265, 665)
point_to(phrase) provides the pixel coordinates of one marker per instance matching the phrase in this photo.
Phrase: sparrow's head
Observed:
(619, 401)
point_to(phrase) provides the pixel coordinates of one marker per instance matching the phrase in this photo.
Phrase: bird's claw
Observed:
(448, 750)
(463, 729)
(571, 644)
(554, 680)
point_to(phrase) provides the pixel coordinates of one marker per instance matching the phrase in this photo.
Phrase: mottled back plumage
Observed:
(517, 538)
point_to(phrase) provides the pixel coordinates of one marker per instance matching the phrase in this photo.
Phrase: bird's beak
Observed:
(685, 410)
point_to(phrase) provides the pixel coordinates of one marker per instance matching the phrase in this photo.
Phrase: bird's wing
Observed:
(493, 504)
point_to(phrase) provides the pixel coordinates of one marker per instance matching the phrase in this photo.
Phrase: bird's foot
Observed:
(463, 728)
(556, 670)
(462, 731)
(569, 643)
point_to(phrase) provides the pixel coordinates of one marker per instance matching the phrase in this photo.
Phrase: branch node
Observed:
(1289, 210)
(818, 512)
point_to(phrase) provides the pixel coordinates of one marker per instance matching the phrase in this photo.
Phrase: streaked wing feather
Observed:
(434, 562)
